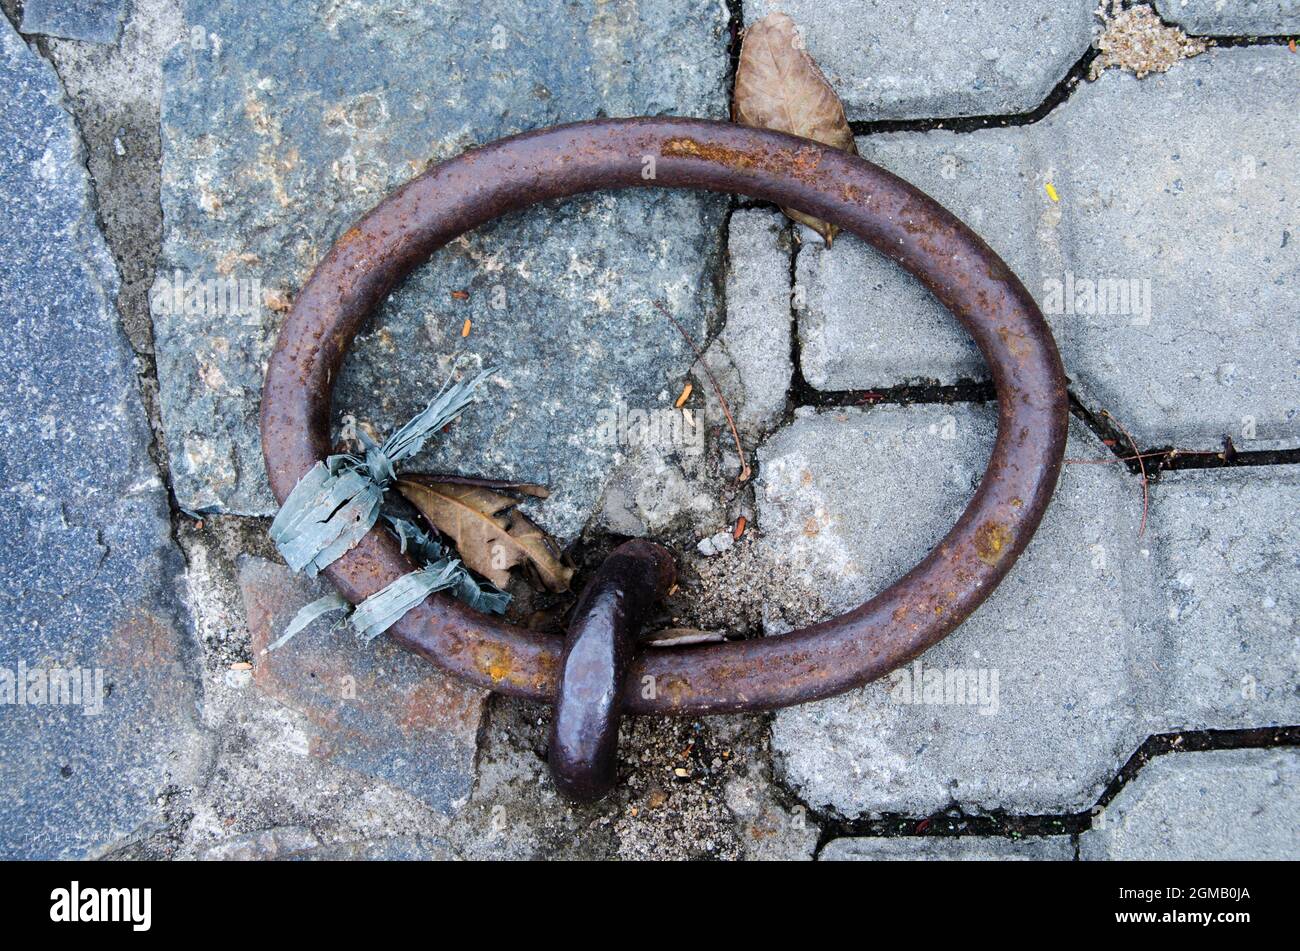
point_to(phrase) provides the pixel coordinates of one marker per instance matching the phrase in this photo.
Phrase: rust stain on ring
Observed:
(900, 221)
(991, 540)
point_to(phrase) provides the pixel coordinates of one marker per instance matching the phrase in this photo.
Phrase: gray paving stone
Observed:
(88, 571)
(665, 481)
(967, 848)
(375, 709)
(853, 498)
(114, 93)
(1227, 564)
(863, 321)
(1133, 163)
(755, 343)
(95, 21)
(1238, 18)
(662, 488)
(933, 60)
(297, 844)
(272, 148)
(1220, 805)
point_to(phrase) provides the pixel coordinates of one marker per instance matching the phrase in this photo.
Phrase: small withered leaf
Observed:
(489, 535)
(779, 86)
(683, 637)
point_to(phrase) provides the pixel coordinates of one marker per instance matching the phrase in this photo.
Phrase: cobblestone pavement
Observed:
(1130, 691)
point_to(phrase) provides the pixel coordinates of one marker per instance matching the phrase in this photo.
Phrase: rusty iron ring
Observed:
(818, 661)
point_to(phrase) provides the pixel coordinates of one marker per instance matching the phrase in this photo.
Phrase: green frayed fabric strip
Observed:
(382, 609)
(442, 409)
(479, 595)
(318, 608)
(337, 502)
(329, 511)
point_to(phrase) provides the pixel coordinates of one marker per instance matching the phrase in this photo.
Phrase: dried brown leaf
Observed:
(499, 485)
(490, 537)
(540, 551)
(779, 86)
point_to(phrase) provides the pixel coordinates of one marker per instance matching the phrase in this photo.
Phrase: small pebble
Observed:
(715, 544)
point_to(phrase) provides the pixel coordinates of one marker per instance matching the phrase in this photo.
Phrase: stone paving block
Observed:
(755, 343)
(934, 60)
(95, 21)
(863, 321)
(664, 481)
(1238, 18)
(1058, 657)
(1221, 805)
(1176, 197)
(933, 848)
(1204, 210)
(88, 570)
(294, 843)
(1224, 543)
(113, 92)
(272, 148)
(376, 709)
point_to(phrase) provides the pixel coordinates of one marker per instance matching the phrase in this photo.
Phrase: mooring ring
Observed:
(818, 661)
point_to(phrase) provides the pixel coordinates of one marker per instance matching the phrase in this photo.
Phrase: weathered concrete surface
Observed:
(854, 498)
(271, 149)
(937, 60)
(1238, 18)
(88, 572)
(687, 789)
(1227, 565)
(1221, 312)
(934, 848)
(373, 708)
(1202, 360)
(95, 21)
(1222, 805)
(663, 487)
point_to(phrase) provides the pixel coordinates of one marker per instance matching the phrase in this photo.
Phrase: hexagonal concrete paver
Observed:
(1030, 706)
(934, 60)
(1226, 563)
(1163, 268)
(1238, 18)
(1219, 805)
(938, 848)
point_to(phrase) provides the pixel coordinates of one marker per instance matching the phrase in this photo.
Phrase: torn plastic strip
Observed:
(385, 607)
(438, 558)
(337, 502)
(479, 595)
(318, 608)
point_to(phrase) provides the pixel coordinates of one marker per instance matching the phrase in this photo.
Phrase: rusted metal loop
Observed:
(600, 643)
(818, 661)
